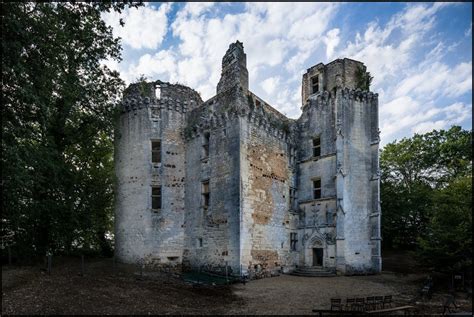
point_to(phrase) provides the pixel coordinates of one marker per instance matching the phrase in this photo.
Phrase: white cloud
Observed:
(332, 41)
(163, 63)
(468, 32)
(407, 114)
(386, 56)
(405, 55)
(270, 84)
(437, 79)
(269, 32)
(198, 8)
(412, 83)
(112, 64)
(144, 27)
(453, 114)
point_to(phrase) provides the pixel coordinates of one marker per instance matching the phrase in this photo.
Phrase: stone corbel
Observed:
(339, 206)
(339, 132)
(341, 171)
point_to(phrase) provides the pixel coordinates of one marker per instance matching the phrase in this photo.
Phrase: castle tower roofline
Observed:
(341, 72)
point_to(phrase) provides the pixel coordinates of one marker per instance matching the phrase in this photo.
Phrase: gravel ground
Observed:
(291, 295)
(28, 290)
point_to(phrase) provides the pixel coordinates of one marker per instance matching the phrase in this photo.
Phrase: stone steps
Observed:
(315, 271)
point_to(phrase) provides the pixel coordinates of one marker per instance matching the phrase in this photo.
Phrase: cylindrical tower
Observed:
(150, 173)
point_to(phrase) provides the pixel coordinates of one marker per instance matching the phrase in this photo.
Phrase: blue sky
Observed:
(420, 54)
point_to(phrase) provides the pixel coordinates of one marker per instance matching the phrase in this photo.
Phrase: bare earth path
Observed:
(28, 290)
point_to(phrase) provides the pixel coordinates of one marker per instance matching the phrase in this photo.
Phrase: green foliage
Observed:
(448, 242)
(140, 87)
(425, 193)
(57, 125)
(363, 79)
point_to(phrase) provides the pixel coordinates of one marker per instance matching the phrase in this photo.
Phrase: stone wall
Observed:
(212, 233)
(357, 183)
(317, 226)
(255, 158)
(266, 177)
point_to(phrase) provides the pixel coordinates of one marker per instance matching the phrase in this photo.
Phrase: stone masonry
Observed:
(232, 184)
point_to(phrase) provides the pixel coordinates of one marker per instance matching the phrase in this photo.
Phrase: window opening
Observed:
(206, 195)
(205, 145)
(156, 197)
(316, 188)
(156, 151)
(315, 84)
(317, 147)
(293, 240)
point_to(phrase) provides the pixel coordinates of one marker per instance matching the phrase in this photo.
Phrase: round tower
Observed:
(150, 173)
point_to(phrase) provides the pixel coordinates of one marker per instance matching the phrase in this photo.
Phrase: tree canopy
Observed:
(426, 195)
(57, 125)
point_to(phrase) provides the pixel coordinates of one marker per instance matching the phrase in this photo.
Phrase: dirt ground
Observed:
(30, 290)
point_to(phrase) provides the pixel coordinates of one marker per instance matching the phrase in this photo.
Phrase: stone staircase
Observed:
(314, 271)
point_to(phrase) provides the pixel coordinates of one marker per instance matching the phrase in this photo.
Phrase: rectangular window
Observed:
(293, 240)
(315, 84)
(292, 196)
(317, 147)
(156, 197)
(205, 145)
(292, 155)
(156, 151)
(206, 194)
(316, 188)
(199, 242)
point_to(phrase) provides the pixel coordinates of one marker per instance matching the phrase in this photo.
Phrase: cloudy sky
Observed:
(420, 54)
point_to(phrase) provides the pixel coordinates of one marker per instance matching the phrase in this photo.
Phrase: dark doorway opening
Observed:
(318, 256)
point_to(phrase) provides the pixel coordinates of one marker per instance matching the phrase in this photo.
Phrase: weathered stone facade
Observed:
(242, 187)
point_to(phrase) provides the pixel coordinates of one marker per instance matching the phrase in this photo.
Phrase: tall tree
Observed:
(447, 244)
(57, 124)
(418, 175)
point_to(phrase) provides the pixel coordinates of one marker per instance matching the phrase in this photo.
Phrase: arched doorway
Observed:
(316, 251)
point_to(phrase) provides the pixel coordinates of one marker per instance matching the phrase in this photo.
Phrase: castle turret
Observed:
(234, 69)
(340, 72)
(150, 171)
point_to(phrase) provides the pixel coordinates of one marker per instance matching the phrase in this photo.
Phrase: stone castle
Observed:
(233, 183)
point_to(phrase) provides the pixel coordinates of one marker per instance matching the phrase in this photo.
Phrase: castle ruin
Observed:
(233, 183)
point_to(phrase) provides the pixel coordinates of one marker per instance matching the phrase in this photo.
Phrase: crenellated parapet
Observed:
(159, 95)
(204, 119)
(359, 95)
(137, 102)
(324, 97)
(217, 112)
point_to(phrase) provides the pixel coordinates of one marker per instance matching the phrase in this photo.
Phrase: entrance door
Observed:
(317, 256)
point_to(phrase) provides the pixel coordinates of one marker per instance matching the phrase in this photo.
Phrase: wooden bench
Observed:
(329, 312)
(388, 310)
